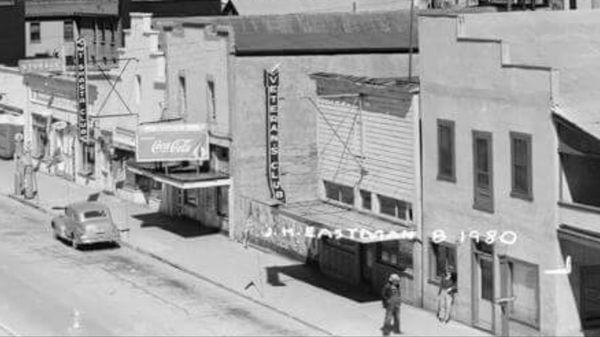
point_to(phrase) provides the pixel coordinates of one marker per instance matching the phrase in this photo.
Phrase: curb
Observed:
(188, 271)
(28, 203)
(222, 286)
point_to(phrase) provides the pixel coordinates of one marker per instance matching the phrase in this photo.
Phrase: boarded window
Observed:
(482, 171)
(446, 165)
(521, 165)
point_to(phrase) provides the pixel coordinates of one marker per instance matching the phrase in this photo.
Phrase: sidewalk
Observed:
(278, 282)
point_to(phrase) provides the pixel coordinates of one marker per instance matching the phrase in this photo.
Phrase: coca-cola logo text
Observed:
(172, 146)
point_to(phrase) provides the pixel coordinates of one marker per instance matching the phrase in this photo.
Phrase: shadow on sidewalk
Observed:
(314, 277)
(185, 228)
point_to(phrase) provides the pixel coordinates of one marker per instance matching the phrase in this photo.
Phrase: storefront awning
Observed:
(12, 119)
(347, 223)
(184, 179)
(578, 234)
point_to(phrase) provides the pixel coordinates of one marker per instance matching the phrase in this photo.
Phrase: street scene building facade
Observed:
(449, 149)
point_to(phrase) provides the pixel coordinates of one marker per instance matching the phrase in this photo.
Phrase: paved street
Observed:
(47, 288)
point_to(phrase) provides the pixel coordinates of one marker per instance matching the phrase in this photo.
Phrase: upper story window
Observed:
(396, 208)
(111, 29)
(482, 172)
(520, 153)
(182, 96)
(365, 197)
(102, 32)
(138, 89)
(212, 109)
(446, 162)
(339, 192)
(35, 32)
(68, 31)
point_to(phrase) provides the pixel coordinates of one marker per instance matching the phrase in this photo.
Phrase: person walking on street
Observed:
(391, 302)
(446, 294)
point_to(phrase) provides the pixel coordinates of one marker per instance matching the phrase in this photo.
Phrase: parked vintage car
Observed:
(85, 223)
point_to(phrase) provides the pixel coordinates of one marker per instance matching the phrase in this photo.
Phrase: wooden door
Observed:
(483, 291)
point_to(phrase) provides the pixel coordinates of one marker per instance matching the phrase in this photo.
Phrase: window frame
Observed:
(527, 195)
(366, 195)
(432, 275)
(408, 214)
(211, 100)
(340, 193)
(446, 123)
(67, 37)
(397, 265)
(510, 262)
(191, 200)
(38, 24)
(479, 201)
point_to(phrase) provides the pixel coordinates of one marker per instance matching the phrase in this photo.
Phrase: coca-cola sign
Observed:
(171, 142)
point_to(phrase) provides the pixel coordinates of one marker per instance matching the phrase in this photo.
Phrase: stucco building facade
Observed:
(498, 110)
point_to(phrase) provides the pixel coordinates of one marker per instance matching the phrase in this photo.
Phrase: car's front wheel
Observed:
(74, 242)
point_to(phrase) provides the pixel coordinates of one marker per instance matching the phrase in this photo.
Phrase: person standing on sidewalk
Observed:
(391, 302)
(446, 294)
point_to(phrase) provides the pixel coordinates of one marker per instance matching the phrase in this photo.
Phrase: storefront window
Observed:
(88, 159)
(222, 200)
(441, 256)
(190, 197)
(398, 254)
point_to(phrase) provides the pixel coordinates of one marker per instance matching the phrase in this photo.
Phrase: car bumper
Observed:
(98, 238)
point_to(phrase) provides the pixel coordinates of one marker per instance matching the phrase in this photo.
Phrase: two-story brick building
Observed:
(509, 175)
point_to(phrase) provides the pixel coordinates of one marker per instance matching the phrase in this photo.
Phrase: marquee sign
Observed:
(272, 95)
(81, 97)
(172, 142)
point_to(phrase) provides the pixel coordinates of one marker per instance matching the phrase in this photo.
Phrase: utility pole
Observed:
(410, 40)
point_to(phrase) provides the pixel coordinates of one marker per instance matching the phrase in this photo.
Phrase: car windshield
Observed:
(99, 213)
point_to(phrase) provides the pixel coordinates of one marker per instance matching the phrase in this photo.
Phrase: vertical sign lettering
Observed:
(82, 113)
(272, 93)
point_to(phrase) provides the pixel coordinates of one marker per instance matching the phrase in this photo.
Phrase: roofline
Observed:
(323, 51)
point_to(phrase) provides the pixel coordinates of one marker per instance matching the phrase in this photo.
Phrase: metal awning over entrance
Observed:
(578, 234)
(349, 223)
(182, 178)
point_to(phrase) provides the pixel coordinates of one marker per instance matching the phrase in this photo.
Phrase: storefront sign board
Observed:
(172, 142)
(81, 84)
(273, 148)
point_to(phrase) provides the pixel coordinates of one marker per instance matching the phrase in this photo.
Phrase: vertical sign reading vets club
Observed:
(82, 113)
(273, 174)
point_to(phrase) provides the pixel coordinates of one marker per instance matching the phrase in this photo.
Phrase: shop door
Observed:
(336, 260)
(483, 291)
(590, 296)
(366, 263)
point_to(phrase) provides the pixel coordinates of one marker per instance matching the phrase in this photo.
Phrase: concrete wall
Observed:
(470, 86)
(298, 118)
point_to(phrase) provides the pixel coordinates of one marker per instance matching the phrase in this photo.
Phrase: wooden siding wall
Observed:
(385, 141)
